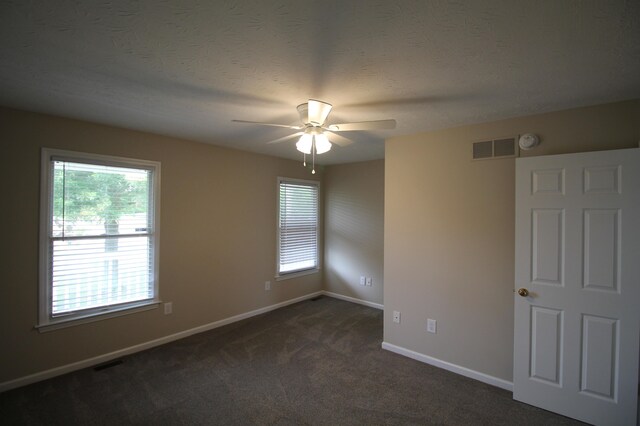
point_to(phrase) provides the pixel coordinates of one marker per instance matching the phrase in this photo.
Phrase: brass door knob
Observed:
(523, 292)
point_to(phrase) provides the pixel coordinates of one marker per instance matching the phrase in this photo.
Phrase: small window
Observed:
(99, 236)
(297, 227)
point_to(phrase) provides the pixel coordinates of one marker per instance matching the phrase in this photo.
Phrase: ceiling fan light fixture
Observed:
(305, 143)
(322, 143)
(314, 128)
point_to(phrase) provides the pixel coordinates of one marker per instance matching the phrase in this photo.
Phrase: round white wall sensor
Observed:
(528, 141)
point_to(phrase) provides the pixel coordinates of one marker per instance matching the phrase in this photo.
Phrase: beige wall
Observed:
(354, 229)
(218, 239)
(448, 234)
(449, 231)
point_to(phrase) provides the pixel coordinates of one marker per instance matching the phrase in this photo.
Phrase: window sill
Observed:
(296, 274)
(96, 316)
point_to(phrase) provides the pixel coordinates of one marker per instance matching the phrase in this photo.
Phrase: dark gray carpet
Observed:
(315, 362)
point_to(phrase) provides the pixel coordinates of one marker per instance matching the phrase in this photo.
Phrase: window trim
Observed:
(46, 322)
(300, 272)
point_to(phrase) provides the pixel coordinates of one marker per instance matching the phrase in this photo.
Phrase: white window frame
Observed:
(299, 272)
(46, 321)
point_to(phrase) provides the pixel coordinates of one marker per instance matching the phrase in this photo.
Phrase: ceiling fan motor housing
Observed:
(303, 111)
(314, 112)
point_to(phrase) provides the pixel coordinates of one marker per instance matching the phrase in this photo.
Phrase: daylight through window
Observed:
(297, 226)
(101, 235)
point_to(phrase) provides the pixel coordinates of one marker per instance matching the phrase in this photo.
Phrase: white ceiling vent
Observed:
(496, 148)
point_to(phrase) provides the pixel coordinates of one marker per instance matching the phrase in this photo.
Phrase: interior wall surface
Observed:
(218, 232)
(449, 236)
(354, 229)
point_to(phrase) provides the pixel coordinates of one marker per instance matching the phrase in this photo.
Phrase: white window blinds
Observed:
(298, 226)
(101, 237)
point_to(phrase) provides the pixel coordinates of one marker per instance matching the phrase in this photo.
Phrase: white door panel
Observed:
(577, 331)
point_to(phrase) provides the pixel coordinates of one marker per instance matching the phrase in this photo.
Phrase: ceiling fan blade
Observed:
(339, 139)
(284, 138)
(318, 112)
(288, 126)
(363, 125)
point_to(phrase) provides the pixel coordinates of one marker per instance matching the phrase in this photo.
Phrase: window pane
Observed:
(298, 227)
(102, 237)
(91, 200)
(93, 272)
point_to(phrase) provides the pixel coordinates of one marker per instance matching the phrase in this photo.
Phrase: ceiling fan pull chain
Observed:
(304, 159)
(313, 153)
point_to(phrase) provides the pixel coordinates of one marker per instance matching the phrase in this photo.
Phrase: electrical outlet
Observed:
(363, 280)
(431, 326)
(168, 308)
(396, 317)
(369, 281)
(267, 285)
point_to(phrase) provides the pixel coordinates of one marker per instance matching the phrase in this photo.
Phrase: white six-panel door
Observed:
(577, 330)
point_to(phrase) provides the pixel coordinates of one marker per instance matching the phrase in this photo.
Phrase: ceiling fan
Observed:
(314, 128)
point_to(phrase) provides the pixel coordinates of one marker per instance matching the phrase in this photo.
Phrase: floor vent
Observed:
(107, 365)
(496, 148)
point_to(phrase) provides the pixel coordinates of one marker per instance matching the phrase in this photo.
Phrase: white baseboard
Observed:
(353, 300)
(463, 371)
(58, 371)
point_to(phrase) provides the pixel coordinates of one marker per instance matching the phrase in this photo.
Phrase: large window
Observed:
(98, 236)
(297, 227)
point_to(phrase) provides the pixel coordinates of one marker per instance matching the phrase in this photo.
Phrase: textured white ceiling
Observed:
(187, 68)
